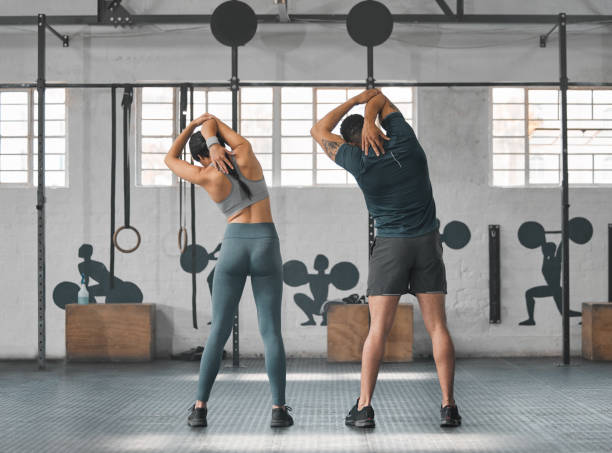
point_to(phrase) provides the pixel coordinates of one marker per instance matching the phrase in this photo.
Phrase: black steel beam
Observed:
(235, 86)
(318, 18)
(565, 288)
(460, 9)
(445, 8)
(40, 192)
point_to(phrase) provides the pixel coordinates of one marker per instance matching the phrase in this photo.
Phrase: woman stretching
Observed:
(234, 181)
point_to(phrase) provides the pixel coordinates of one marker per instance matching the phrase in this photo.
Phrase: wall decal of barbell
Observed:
(532, 234)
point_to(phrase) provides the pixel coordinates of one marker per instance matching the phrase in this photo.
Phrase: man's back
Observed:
(396, 185)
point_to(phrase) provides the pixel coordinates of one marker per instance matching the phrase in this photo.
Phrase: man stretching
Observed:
(407, 253)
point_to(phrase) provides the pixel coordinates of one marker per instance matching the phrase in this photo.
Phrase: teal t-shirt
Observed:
(396, 186)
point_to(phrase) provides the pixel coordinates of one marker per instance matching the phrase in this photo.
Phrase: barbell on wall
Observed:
(532, 234)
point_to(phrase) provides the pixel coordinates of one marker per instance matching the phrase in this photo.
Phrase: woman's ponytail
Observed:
(234, 174)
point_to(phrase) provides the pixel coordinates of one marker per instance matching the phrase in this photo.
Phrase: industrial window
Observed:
(18, 137)
(302, 161)
(277, 122)
(526, 134)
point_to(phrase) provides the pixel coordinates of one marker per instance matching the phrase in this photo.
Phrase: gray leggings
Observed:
(248, 249)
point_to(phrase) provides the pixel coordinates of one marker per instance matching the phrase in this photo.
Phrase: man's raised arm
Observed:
(322, 130)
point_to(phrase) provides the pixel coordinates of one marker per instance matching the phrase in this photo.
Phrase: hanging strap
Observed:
(112, 191)
(182, 233)
(126, 103)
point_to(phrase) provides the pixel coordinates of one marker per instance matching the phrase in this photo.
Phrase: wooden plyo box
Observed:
(597, 330)
(110, 332)
(347, 329)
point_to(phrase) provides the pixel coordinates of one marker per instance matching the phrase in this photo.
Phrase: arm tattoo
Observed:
(331, 148)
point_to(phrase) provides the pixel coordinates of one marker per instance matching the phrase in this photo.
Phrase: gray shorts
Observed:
(407, 265)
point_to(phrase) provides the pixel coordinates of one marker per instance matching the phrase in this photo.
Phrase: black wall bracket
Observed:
(494, 276)
(111, 12)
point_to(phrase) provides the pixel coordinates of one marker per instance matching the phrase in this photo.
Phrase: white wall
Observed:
(453, 126)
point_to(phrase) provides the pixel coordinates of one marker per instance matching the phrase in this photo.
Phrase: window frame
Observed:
(526, 154)
(32, 135)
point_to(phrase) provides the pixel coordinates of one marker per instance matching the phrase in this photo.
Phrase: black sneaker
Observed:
(281, 417)
(197, 417)
(363, 418)
(449, 416)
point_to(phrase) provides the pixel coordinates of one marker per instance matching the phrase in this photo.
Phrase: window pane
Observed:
(157, 111)
(55, 178)
(13, 145)
(508, 95)
(13, 177)
(602, 112)
(13, 97)
(254, 127)
(52, 112)
(398, 94)
(543, 112)
(543, 162)
(156, 127)
(544, 96)
(153, 161)
(296, 94)
(331, 177)
(261, 145)
(256, 111)
(580, 177)
(220, 97)
(156, 145)
(580, 162)
(543, 177)
(8, 162)
(295, 128)
(579, 112)
(602, 96)
(13, 112)
(603, 162)
(162, 94)
(331, 95)
(296, 161)
(579, 96)
(52, 96)
(14, 128)
(156, 178)
(509, 145)
(222, 111)
(603, 177)
(265, 160)
(256, 94)
(52, 162)
(325, 163)
(508, 128)
(508, 178)
(268, 176)
(297, 111)
(296, 178)
(52, 128)
(508, 111)
(508, 162)
(296, 145)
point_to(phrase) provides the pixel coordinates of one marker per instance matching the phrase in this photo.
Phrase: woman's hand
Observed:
(220, 159)
(372, 136)
(365, 96)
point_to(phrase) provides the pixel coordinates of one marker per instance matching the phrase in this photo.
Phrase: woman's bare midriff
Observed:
(256, 213)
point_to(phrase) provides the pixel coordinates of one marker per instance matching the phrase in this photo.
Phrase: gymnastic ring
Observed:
(126, 227)
(182, 234)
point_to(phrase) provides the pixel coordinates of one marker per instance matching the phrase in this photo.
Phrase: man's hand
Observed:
(202, 119)
(365, 96)
(218, 156)
(372, 136)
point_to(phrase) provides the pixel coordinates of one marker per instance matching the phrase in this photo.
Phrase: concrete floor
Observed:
(508, 405)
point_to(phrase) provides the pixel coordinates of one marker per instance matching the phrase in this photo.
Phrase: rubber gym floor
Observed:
(508, 405)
